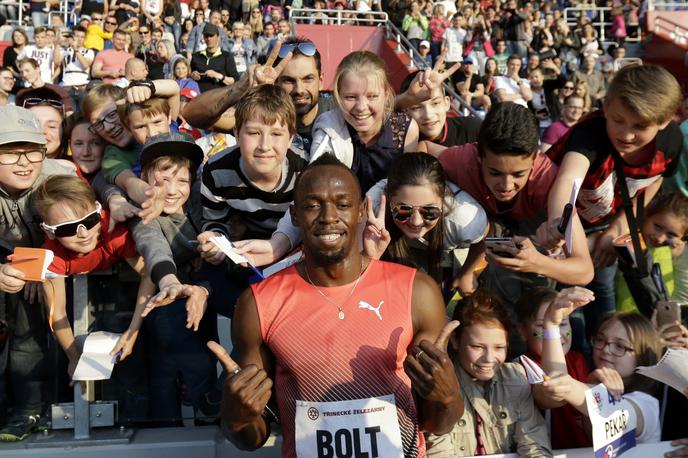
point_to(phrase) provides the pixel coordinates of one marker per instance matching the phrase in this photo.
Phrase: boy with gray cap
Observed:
(23, 167)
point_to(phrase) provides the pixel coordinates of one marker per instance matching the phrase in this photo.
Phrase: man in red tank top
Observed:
(356, 347)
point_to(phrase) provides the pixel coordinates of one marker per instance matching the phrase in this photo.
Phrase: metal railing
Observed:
(667, 6)
(66, 11)
(336, 17)
(600, 21)
(676, 32)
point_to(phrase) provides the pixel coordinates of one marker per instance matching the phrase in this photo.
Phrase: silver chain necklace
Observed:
(340, 315)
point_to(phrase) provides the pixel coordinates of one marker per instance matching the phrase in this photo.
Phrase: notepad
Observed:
(568, 234)
(95, 362)
(672, 370)
(34, 262)
(227, 248)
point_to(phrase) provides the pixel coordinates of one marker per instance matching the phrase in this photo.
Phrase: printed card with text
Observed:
(613, 423)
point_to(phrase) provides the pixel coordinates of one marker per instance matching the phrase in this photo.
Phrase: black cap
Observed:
(171, 144)
(211, 29)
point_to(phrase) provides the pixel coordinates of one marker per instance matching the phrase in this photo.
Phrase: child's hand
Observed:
(375, 237)
(209, 251)
(680, 452)
(11, 279)
(566, 301)
(154, 204)
(427, 80)
(557, 386)
(125, 344)
(610, 378)
(603, 254)
(263, 252)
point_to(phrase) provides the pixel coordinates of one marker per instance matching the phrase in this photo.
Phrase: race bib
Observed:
(613, 423)
(363, 428)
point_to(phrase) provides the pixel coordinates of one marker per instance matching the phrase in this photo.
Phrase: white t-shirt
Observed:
(73, 73)
(454, 38)
(44, 57)
(239, 57)
(511, 87)
(649, 406)
(153, 7)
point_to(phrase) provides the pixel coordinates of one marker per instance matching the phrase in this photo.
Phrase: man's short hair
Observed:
(648, 90)
(120, 32)
(509, 129)
(327, 159)
(99, 96)
(297, 52)
(514, 57)
(267, 103)
(28, 60)
(79, 28)
(38, 30)
(568, 98)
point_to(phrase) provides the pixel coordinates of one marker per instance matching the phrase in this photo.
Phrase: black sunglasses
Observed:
(71, 228)
(403, 213)
(36, 101)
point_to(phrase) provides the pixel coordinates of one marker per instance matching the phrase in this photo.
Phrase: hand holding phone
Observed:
(497, 246)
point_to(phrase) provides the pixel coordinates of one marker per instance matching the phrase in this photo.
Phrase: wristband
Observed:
(551, 333)
(144, 83)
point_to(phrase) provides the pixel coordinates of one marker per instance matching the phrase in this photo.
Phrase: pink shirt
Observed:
(462, 167)
(112, 60)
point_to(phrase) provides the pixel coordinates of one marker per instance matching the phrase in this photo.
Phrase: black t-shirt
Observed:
(302, 141)
(600, 198)
(475, 80)
(458, 131)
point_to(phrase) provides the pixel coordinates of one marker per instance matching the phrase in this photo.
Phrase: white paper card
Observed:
(672, 370)
(534, 372)
(226, 247)
(613, 423)
(95, 362)
(568, 234)
(283, 264)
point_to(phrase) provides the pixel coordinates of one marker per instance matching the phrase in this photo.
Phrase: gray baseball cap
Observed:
(19, 125)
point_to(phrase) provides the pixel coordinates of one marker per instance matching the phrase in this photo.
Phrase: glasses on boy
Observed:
(99, 126)
(33, 155)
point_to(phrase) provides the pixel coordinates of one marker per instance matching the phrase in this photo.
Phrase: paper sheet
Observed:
(568, 234)
(534, 372)
(672, 370)
(95, 362)
(227, 248)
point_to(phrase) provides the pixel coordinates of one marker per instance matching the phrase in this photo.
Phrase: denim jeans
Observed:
(23, 360)
(178, 353)
(39, 18)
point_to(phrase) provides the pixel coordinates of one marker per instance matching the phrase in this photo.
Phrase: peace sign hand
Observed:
(267, 74)
(375, 237)
(426, 81)
(431, 370)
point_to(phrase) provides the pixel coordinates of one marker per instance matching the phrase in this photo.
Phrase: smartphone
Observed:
(193, 243)
(668, 312)
(497, 245)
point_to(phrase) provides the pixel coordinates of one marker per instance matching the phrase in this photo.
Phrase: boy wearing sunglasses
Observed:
(23, 167)
(76, 228)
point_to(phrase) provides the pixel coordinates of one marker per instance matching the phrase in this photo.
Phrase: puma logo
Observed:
(376, 310)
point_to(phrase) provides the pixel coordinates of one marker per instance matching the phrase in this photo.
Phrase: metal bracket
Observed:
(100, 414)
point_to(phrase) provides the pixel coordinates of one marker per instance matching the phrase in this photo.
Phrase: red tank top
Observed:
(320, 358)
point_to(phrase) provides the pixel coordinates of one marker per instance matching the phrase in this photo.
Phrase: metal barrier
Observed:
(337, 17)
(667, 6)
(66, 10)
(676, 32)
(600, 21)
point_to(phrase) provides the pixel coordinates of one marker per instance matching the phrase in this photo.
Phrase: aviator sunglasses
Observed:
(70, 228)
(403, 213)
(306, 48)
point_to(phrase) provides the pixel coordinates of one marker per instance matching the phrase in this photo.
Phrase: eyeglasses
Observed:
(34, 156)
(568, 88)
(71, 228)
(35, 101)
(111, 22)
(99, 125)
(96, 18)
(307, 49)
(9, 78)
(403, 213)
(616, 348)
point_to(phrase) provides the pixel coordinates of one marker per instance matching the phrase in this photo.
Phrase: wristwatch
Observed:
(144, 83)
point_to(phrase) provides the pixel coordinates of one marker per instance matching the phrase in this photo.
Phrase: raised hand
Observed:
(196, 302)
(427, 80)
(375, 237)
(431, 370)
(209, 251)
(566, 301)
(610, 378)
(246, 391)
(154, 205)
(267, 74)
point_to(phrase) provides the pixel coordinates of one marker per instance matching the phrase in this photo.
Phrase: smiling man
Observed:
(507, 176)
(340, 333)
